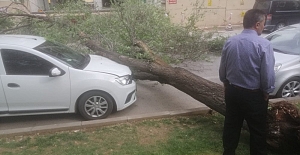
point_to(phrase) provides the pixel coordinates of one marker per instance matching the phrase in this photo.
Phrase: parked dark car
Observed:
(280, 13)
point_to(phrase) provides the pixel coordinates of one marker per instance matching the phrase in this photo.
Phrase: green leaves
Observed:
(126, 23)
(5, 23)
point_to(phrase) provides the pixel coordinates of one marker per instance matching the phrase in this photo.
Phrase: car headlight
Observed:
(124, 80)
(277, 67)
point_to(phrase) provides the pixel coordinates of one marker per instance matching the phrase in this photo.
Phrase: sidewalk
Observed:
(77, 126)
(223, 27)
(98, 123)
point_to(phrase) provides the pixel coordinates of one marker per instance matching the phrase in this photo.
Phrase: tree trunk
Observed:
(207, 92)
(283, 117)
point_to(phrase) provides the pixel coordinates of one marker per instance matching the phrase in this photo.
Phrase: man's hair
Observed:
(252, 17)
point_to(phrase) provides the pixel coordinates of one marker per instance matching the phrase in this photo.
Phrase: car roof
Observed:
(28, 41)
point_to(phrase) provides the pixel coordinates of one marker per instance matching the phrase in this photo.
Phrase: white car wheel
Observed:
(95, 105)
(279, 26)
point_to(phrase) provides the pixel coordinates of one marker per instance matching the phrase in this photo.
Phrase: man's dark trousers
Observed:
(249, 105)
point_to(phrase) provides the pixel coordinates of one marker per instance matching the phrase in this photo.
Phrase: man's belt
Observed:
(245, 89)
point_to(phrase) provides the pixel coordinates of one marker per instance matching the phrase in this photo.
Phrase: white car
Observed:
(42, 77)
(286, 45)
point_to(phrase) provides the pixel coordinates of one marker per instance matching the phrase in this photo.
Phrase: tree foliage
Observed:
(126, 23)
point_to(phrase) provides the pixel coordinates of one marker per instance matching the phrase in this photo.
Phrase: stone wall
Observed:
(5, 3)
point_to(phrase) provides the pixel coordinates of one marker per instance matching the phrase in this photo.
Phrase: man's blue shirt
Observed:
(248, 61)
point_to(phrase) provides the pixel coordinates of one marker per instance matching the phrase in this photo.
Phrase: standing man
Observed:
(247, 71)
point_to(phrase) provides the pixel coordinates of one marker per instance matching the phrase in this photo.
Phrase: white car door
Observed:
(3, 104)
(28, 87)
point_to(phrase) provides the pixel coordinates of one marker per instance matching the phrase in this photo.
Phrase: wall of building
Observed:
(6, 3)
(213, 12)
(3, 4)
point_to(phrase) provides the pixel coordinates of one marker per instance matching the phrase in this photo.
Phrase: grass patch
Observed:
(195, 135)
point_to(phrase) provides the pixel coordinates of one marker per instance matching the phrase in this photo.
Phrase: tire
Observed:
(290, 88)
(95, 105)
(280, 25)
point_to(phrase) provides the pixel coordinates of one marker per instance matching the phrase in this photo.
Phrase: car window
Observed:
(287, 40)
(64, 54)
(262, 5)
(22, 63)
(288, 6)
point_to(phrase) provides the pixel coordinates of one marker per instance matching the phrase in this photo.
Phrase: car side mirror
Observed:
(54, 72)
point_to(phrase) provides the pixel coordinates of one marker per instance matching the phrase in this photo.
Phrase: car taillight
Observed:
(269, 17)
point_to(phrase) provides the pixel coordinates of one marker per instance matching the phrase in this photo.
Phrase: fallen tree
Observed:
(148, 64)
(283, 117)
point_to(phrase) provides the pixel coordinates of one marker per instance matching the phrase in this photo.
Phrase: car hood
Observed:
(283, 58)
(104, 65)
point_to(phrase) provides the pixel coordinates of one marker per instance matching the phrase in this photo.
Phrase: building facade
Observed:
(214, 12)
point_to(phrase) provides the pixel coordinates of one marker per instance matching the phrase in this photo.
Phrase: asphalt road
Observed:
(152, 97)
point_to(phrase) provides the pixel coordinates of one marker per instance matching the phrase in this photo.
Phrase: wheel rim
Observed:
(291, 89)
(96, 106)
(280, 25)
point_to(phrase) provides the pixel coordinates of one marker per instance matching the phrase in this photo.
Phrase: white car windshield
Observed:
(286, 40)
(64, 54)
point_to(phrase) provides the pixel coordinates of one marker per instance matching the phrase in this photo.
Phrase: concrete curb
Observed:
(289, 99)
(111, 121)
(98, 123)
(223, 27)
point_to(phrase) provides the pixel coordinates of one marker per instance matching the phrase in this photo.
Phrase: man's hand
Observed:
(266, 96)
(226, 83)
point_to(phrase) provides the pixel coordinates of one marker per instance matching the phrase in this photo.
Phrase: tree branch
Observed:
(15, 28)
(147, 76)
(44, 18)
(18, 3)
(154, 57)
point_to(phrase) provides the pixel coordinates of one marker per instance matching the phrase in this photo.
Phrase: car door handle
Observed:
(14, 85)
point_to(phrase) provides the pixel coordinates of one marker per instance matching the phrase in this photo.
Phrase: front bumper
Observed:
(126, 96)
